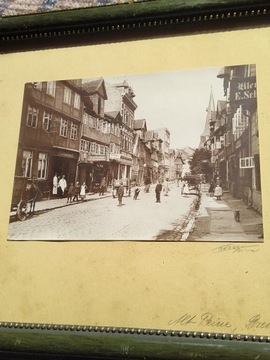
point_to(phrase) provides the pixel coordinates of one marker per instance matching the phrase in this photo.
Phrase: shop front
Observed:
(64, 162)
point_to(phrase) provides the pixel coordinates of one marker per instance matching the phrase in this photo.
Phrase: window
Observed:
(99, 124)
(102, 150)
(104, 127)
(32, 117)
(99, 105)
(93, 148)
(63, 128)
(67, 95)
(73, 131)
(27, 163)
(77, 101)
(94, 122)
(85, 145)
(85, 118)
(42, 165)
(51, 88)
(246, 162)
(47, 121)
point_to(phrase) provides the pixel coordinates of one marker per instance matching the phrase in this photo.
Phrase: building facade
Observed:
(234, 135)
(121, 99)
(50, 132)
(95, 136)
(164, 166)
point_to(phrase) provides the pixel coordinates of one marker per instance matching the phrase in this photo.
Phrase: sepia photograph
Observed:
(169, 156)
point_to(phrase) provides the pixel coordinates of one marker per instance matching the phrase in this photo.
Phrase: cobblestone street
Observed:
(102, 219)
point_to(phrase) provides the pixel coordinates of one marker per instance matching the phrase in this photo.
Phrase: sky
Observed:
(176, 100)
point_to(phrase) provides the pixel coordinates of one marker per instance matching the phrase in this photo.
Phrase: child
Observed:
(70, 193)
(136, 193)
(76, 191)
(83, 191)
(218, 192)
(211, 189)
(185, 188)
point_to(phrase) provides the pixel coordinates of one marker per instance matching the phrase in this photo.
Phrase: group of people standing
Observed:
(73, 191)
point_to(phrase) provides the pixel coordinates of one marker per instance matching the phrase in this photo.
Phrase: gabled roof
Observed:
(139, 124)
(96, 86)
(149, 135)
(114, 115)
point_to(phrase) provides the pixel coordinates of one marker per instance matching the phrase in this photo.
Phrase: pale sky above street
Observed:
(176, 100)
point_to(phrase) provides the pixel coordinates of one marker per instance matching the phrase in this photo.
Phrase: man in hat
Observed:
(120, 193)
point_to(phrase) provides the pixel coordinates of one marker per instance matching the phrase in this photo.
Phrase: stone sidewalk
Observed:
(215, 221)
(50, 204)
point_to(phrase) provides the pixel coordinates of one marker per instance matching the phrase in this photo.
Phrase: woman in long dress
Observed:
(55, 186)
(185, 188)
(83, 191)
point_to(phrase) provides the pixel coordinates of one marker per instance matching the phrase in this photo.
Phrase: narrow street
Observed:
(102, 219)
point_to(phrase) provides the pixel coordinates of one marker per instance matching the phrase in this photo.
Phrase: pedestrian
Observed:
(59, 190)
(63, 185)
(128, 188)
(113, 188)
(55, 186)
(166, 187)
(76, 191)
(83, 190)
(185, 189)
(147, 183)
(136, 193)
(211, 189)
(158, 190)
(120, 194)
(102, 186)
(218, 192)
(177, 180)
(70, 192)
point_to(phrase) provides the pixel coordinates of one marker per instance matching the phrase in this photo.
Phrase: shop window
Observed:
(42, 165)
(27, 161)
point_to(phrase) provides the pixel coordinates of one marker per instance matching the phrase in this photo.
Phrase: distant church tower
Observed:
(210, 116)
